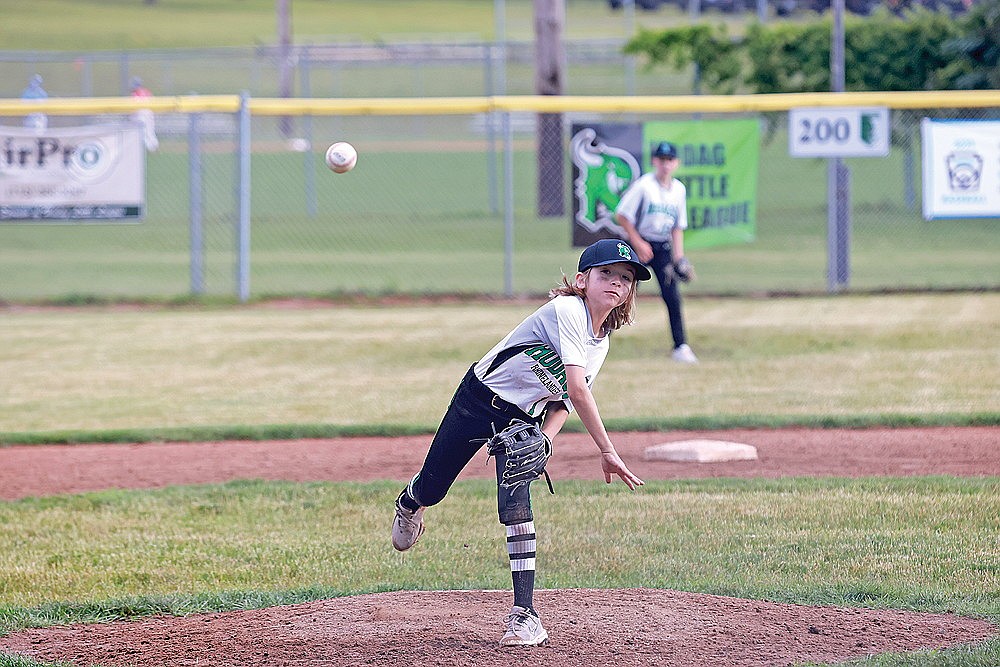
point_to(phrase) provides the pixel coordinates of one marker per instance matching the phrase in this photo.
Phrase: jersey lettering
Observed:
(668, 210)
(550, 361)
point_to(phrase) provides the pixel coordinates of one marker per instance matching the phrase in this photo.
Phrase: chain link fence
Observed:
(459, 200)
(345, 69)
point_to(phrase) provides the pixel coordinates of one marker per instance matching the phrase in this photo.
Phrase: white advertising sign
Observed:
(71, 174)
(838, 132)
(961, 161)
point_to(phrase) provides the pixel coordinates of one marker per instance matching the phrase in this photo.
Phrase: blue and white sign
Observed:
(838, 132)
(961, 161)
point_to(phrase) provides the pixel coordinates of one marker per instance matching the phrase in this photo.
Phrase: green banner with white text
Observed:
(718, 166)
(719, 169)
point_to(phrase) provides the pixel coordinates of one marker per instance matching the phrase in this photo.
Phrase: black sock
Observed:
(524, 588)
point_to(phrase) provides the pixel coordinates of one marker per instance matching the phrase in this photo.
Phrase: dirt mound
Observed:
(458, 628)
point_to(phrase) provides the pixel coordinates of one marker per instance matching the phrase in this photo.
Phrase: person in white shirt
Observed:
(653, 213)
(34, 91)
(539, 372)
(145, 117)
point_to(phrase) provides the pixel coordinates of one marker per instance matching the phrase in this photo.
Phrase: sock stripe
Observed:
(523, 564)
(520, 538)
(521, 545)
(528, 546)
(411, 493)
(521, 529)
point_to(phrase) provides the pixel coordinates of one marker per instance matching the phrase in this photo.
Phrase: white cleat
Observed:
(684, 355)
(407, 527)
(523, 629)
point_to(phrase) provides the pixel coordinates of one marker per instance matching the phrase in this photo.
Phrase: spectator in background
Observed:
(34, 91)
(145, 117)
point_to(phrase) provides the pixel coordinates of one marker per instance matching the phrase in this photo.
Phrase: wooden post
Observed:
(285, 69)
(550, 73)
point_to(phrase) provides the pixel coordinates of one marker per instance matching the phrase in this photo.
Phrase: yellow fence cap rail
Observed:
(271, 106)
(745, 103)
(369, 106)
(72, 106)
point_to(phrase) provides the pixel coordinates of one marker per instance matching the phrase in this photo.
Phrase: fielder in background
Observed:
(145, 117)
(34, 91)
(536, 375)
(653, 213)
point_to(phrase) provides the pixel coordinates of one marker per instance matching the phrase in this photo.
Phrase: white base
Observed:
(701, 451)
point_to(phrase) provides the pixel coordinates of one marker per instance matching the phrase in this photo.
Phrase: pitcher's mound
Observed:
(588, 628)
(701, 451)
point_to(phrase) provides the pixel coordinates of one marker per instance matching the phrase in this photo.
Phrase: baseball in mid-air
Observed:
(341, 157)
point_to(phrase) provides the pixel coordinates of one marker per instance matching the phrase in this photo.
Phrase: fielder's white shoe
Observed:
(407, 527)
(684, 355)
(523, 629)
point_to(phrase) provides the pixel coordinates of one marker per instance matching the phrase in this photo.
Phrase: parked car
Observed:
(788, 7)
(784, 7)
(860, 7)
(648, 5)
(866, 7)
(953, 7)
(727, 6)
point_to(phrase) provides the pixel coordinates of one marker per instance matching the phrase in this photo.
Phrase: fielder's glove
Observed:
(684, 270)
(527, 450)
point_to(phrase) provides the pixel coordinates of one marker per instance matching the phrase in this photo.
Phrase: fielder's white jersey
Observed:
(654, 209)
(557, 335)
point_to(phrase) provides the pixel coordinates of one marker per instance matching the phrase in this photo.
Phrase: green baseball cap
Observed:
(611, 251)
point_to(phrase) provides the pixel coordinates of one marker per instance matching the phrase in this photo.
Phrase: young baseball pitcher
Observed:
(516, 399)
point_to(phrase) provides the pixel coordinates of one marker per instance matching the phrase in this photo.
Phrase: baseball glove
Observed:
(684, 270)
(527, 450)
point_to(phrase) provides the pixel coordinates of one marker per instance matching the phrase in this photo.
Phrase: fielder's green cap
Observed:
(611, 251)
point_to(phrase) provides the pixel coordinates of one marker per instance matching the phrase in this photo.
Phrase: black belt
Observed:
(487, 395)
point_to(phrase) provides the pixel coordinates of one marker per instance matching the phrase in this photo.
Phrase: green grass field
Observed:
(209, 541)
(113, 24)
(874, 359)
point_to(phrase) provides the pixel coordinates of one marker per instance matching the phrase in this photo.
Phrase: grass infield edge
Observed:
(259, 432)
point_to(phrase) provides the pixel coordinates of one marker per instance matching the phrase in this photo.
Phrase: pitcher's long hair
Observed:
(619, 315)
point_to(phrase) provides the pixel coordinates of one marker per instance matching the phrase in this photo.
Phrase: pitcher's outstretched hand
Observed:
(612, 464)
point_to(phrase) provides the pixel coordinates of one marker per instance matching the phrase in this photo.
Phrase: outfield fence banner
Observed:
(72, 174)
(606, 158)
(718, 166)
(961, 168)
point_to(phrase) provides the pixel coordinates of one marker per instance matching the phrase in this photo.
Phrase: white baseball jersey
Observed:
(654, 209)
(557, 335)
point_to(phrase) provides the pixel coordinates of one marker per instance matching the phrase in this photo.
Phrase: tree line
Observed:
(920, 50)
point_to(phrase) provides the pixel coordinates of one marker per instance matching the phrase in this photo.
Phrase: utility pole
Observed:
(285, 66)
(550, 74)
(838, 217)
